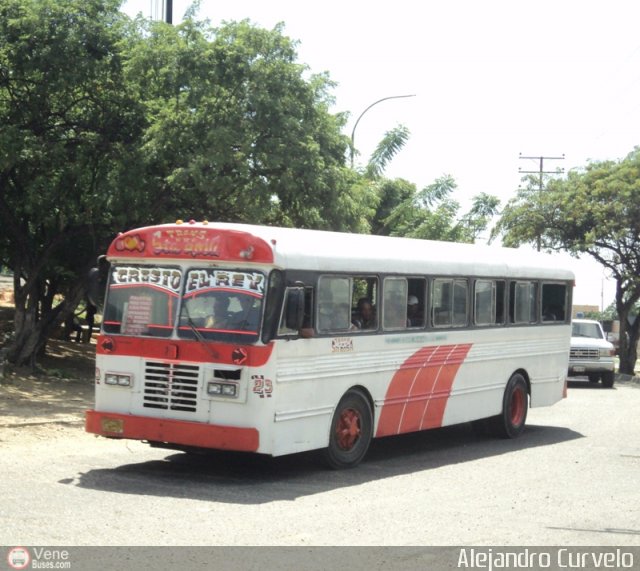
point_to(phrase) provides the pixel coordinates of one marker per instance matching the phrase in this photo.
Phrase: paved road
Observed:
(571, 479)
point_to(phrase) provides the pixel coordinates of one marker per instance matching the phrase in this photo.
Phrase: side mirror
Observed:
(97, 283)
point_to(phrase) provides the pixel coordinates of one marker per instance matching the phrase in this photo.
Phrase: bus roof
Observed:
(337, 251)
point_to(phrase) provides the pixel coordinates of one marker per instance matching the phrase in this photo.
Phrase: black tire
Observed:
(608, 378)
(515, 403)
(351, 431)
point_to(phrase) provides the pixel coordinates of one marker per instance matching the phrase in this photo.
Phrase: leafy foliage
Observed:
(594, 211)
(432, 214)
(108, 123)
(65, 118)
(235, 131)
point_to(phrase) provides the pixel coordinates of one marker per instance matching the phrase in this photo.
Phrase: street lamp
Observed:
(353, 131)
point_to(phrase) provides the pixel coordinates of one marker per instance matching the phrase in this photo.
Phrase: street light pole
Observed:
(353, 131)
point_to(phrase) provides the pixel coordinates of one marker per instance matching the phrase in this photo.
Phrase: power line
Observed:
(541, 172)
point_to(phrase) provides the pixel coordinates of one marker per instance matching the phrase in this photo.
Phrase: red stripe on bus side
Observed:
(191, 351)
(417, 395)
(172, 431)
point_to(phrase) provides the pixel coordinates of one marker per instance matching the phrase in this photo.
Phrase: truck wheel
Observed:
(608, 378)
(351, 431)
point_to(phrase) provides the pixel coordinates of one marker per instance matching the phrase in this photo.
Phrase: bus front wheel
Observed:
(351, 431)
(510, 423)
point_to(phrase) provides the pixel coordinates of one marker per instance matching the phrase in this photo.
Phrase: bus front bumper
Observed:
(195, 434)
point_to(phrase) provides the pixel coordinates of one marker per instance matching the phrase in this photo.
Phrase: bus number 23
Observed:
(262, 386)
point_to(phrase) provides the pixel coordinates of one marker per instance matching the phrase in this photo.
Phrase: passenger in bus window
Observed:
(221, 316)
(415, 316)
(365, 317)
(248, 317)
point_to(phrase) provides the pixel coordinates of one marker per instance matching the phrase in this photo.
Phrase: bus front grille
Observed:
(171, 386)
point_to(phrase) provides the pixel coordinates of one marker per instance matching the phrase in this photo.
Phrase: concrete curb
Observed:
(632, 379)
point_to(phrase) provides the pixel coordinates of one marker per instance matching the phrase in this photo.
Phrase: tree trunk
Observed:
(34, 322)
(629, 332)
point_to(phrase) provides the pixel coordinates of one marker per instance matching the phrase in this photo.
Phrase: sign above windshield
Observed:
(202, 280)
(163, 278)
(191, 241)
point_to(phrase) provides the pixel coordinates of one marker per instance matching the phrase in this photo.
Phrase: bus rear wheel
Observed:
(510, 423)
(351, 431)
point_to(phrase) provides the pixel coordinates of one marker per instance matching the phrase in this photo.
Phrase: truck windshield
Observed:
(591, 330)
(142, 300)
(225, 305)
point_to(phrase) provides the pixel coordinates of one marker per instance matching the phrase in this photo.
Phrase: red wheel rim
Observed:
(517, 407)
(348, 428)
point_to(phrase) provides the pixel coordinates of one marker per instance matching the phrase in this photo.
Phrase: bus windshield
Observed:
(142, 300)
(222, 305)
(215, 304)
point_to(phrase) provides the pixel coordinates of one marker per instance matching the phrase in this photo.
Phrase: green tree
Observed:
(432, 214)
(535, 205)
(236, 130)
(594, 211)
(108, 123)
(390, 145)
(397, 209)
(65, 118)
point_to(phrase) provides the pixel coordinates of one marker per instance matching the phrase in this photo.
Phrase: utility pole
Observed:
(541, 172)
(162, 10)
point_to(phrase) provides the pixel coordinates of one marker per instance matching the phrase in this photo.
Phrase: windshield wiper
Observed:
(212, 353)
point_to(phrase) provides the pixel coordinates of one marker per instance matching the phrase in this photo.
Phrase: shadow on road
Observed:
(253, 479)
(580, 384)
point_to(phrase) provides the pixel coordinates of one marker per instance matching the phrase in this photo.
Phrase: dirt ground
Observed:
(51, 401)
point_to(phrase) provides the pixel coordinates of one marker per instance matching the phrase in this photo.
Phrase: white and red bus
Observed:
(279, 340)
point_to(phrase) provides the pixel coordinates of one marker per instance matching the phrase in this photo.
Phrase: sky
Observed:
(492, 82)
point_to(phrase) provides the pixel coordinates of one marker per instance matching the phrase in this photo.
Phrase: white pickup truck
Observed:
(591, 355)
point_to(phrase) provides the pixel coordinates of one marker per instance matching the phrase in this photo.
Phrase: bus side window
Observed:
(441, 302)
(307, 321)
(554, 302)
(416, 302)
(364, 314)
(394, 307)
(500, 302)
(334, 304)
(522, 302)
(489, 302)
(460, 302)
(485, 302)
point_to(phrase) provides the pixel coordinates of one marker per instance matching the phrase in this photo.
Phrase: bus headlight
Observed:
(216, 389)
(117, 379)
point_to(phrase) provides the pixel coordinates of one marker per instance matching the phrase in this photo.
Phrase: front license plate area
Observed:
(112, 425)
